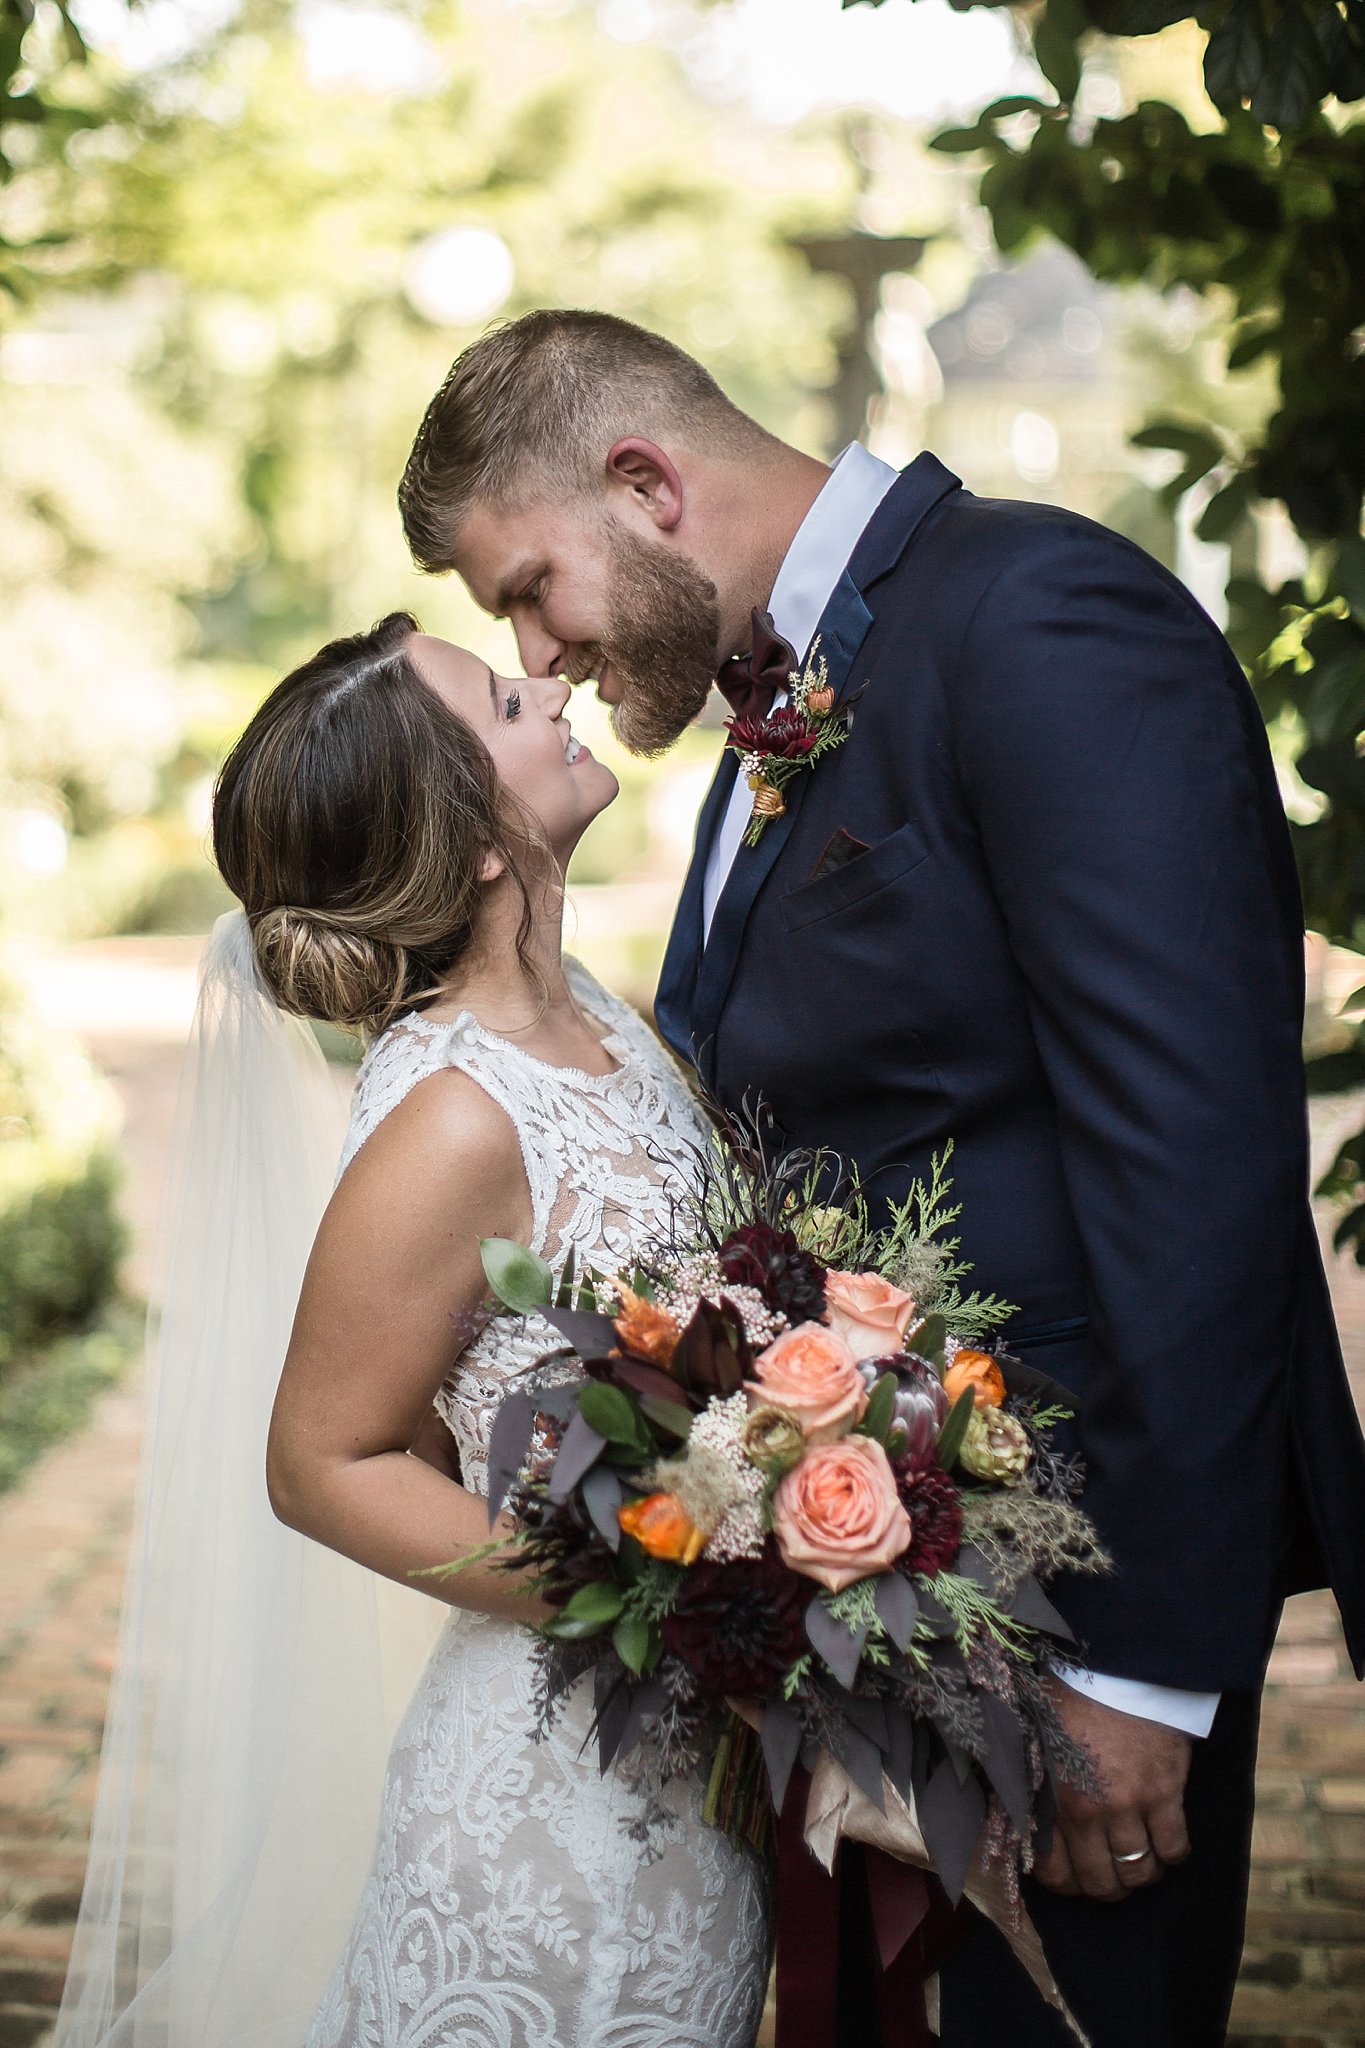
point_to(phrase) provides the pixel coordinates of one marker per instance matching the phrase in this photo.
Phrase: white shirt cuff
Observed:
(1191, 1712)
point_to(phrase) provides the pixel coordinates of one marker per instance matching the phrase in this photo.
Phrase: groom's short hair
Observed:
(529, 411)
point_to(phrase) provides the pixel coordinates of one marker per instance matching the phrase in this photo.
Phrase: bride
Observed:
(396, 821)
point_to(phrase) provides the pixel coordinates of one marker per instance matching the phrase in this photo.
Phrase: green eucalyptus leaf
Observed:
(669, 1416)
(637, 1643)
(599, 1602)
(520, 1279)
(566, 1629)
(928, 1339)
(877, 1415)
(954, 1429)
(614, 1414)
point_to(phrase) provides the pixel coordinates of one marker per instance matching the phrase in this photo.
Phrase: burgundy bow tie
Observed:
(749, 682)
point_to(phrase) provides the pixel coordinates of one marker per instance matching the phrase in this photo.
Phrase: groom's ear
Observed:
(644, 471)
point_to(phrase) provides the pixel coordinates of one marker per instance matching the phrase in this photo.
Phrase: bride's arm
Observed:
(395, 1262)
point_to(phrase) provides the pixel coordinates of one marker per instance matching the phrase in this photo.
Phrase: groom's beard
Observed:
(663, 626)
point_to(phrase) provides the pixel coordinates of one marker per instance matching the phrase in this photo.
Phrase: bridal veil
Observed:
(258, 1676)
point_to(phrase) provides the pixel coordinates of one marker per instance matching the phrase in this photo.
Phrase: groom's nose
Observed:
(541, 654)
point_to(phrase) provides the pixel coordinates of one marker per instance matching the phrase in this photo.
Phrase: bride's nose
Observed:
(554, 694)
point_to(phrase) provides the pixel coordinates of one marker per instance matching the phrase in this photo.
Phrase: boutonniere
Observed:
(776, 748)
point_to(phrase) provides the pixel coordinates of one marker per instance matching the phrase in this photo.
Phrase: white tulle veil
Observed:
(258, 1677)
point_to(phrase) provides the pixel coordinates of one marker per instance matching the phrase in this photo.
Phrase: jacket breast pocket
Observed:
(856, 880)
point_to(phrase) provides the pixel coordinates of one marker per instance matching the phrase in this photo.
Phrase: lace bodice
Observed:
(602, 1155)
(519, 1897)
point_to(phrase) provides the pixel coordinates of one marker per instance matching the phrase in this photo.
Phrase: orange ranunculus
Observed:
(811, 1373)
(646, 1331)
(979, 1371)
(838, 1515)
(869, 1313)
(661, 1525)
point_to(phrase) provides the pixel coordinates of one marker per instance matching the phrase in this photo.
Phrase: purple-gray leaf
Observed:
(507, 1447)
(1032, 1606)
(1003, 1762)
(840, 1646)
(579, 1452)
(897, 1607)
(951, 1816)
(592, 1336)
(602, 1496)
(781, 1739)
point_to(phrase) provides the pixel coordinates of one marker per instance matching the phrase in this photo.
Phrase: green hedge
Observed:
(61, 1245)
(46, 1395)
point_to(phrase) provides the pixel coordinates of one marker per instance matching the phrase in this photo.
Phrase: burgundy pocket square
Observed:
(840, 850)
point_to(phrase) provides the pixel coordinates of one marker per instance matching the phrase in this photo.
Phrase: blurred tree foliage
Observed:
(39, 55)
(216, 357)
(1261, 211)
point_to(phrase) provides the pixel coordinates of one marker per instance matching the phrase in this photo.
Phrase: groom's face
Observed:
(590, 597)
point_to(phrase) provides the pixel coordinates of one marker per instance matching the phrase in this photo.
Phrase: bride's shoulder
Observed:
(416, 1109)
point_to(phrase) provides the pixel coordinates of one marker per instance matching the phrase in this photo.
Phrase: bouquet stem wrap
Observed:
(837, 1810)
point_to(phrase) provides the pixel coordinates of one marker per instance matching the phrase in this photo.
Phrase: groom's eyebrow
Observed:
(511, 587)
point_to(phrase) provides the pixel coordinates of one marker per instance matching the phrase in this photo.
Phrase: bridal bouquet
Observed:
(795, 1509)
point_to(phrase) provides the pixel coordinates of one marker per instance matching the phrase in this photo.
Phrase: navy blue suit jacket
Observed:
(1073, 946)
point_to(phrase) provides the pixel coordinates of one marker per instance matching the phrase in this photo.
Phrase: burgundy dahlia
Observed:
(739, 1626)
(786, 733)
(790, 1280)
(934, 1506)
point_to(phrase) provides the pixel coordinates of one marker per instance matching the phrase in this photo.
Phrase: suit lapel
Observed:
(682, 960)
(696, 976)
(842, 631)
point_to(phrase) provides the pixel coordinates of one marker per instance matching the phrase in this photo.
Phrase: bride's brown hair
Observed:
(352, 819)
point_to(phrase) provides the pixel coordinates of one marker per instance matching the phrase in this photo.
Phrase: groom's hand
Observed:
(1142, 1767)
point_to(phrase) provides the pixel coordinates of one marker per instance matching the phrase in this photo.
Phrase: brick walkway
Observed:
(62, 1542)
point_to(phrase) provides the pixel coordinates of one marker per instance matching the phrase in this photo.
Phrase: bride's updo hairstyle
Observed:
(352, 819)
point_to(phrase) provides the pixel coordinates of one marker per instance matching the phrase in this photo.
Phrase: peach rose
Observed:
(837, 1515)
(869, 1313)
(979, 1371)
(812, 1374)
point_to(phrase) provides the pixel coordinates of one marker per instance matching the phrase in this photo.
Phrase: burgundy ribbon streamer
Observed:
(913, 1931)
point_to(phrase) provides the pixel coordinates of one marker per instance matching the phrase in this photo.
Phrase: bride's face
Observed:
(521, 722)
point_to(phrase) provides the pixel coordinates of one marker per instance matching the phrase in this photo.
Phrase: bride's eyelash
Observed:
(512, 707)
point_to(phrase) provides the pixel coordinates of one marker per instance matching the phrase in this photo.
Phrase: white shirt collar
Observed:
(824, 541)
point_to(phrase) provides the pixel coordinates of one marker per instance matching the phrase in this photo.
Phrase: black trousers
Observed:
(1157, 1970)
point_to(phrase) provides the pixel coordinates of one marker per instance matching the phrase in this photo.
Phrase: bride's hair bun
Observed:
(316, 968)
(355, 818)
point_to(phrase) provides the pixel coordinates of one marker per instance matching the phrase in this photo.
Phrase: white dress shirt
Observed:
(813, 564)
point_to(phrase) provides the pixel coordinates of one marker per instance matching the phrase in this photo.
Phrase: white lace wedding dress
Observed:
(517, 1898)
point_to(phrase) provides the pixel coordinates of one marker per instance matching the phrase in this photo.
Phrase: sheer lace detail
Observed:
(518, 1898)
(602, 1153)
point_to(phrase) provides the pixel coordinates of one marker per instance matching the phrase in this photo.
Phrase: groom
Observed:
(1040, 902)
